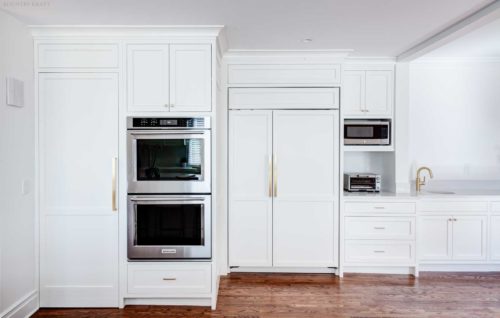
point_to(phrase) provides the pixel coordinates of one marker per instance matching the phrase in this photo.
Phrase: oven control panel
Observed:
(168, 123)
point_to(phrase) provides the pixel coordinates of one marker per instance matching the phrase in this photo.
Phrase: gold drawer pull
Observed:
(379, 207)
(169, 278)
(378, 252)
(379, 227)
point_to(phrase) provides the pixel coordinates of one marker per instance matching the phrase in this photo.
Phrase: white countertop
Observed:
(483, 194)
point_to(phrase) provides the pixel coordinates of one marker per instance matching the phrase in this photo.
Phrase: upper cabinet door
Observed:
(353, 93)
(148, 77)
(190, 77)
(250, 188)
(378, 93)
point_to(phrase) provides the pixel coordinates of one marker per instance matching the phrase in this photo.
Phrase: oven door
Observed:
(176, 227)
(173, 161)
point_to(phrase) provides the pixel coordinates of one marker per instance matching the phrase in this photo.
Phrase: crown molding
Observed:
(458, 60)
(285, 56)
(122, 31)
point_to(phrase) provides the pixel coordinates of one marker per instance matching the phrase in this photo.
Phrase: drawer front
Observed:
(170, 279)
(284, 75)
(453, 206)
(382, 207)
(283, 98)
(401, 228)
(78, 55)
(359, 251)
(495, 206)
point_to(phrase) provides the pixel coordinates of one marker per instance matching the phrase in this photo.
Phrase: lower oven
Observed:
(169, 227)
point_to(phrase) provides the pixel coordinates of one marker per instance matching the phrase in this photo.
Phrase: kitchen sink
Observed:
(439, 192)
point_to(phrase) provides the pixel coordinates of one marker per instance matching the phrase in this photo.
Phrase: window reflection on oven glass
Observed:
(169, 159)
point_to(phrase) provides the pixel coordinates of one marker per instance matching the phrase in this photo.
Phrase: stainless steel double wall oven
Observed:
(169, 188)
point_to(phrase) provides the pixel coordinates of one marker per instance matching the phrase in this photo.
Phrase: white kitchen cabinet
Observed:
(469, 237)
(452, 237)
(495, 237)
(435, 237)
(148, 77)
(282, 186)
(190, 77)
(78, 142)
(169, 77)
(367, 93)
(250, 204)
(304, 188)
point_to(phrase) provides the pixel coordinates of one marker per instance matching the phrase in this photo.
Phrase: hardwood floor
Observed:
(457, 295)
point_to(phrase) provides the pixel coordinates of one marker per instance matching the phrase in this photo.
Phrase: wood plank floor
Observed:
(457, 295)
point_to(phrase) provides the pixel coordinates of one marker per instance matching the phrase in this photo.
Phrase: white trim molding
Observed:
(24, 307)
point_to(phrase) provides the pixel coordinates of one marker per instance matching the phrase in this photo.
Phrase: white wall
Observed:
(455, 119)
(18, 278)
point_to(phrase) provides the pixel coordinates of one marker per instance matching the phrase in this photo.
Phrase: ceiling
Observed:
(372, 28)
(483, 42)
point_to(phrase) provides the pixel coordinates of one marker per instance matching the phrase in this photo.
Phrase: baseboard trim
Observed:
(25, 307)
(397, 270)
(459, 268)
(205, 302)
(305, 270)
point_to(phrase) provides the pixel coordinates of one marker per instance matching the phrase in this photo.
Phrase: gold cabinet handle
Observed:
(275, 175)
(270, 176)
(169, 278)
(114, 166)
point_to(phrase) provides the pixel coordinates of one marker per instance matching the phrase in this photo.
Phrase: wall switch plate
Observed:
(15, 92)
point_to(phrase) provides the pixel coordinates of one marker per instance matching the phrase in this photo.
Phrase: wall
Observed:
(455, 119)
(18, 278)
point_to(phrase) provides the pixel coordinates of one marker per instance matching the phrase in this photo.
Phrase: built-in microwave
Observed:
(367, 132)
(169, 227)
(169, 155)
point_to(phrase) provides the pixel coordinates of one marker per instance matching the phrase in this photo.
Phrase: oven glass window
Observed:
(169, 225)
(169, 159)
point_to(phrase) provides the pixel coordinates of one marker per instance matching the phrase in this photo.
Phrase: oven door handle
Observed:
(167, 132)
(161, 199)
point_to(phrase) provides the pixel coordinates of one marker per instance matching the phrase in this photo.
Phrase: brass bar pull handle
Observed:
(379, 227)
(270, 176)
(114, 166)
(169, 278)
(275, 175)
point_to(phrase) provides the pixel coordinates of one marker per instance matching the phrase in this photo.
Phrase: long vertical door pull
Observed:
(270, 176)
(113, 183)
(275, 175)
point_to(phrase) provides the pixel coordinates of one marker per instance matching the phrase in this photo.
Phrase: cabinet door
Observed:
(190, 77)
(305, 179)
(78, 131)
(495, 237)
(148, 77)
(250, 177)
(378, 99)
(353, 93)
(435, 237)
(469, 237)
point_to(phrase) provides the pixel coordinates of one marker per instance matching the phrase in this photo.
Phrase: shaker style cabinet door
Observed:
(435, 238)
(378, 93)
(78, 141)
(495, 237)
(353, 93)
(190, 77)
(304, 188)
(469, 237)
(250, 178)
(148, 77)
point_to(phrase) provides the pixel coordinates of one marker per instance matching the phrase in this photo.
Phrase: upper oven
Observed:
(169, 155)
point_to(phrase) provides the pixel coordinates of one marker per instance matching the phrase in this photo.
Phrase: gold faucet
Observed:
(421, 181)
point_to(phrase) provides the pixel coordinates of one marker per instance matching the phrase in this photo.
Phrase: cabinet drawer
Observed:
(283, 98)
(357, 251)
(402, 228)
(78, 55)
(169, 279)
(495, 206)
(382, 207)
(452, 206)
